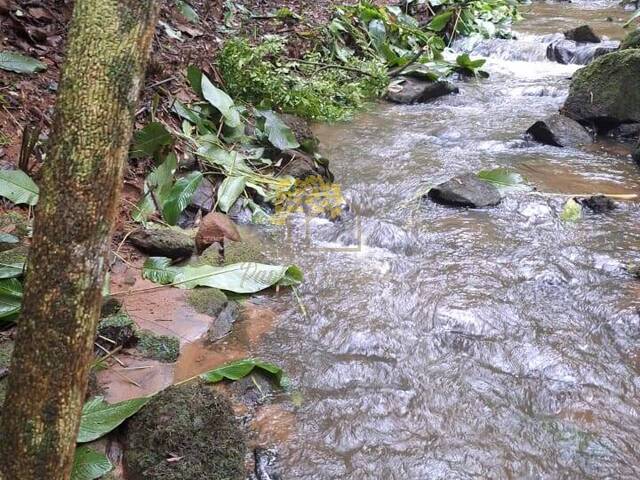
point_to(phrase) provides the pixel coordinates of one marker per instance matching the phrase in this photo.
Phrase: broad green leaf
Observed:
(377, 33)
(230, 189)
(180, 196)
(18, 187)
(245, 277)
(10, 300)
(157, 185)
(11, 270)
(89, 464)
(502, 178)
(279, 133)
(240, 369)
(16, 62)
(8, 238)
(465, 61)
(185, 112)
(194, 75)
(572, 211)
(149, 140)
(187, 11)
(159, 270)
(99, 418)
(221, 101)
(440, 21)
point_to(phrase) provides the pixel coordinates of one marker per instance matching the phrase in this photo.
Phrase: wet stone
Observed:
(582, 34)
(117, 330)
(598, 203)
(559, 131)
(158, 347)
(413, 90)
(163, 242)
(204, 197)
(465, 191)
(222, 325)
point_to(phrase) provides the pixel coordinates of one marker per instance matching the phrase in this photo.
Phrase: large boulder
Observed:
(570, 52)
(413, 90)
(582, 34)
(191, 424)
(163, 242)
(632, 40)
(607, 92)
(559, 131)
(465, 191)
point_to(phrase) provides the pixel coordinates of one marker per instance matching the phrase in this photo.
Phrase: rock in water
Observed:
(559, 131)
(570, 52)
(465, 191)
(582, 34)
(163, 242)
(606, 93)
(598, 203)
(413, 90)
(192, 425)
(636, 154)
(215, 228)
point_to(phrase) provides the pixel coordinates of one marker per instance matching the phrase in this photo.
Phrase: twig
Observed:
(161, 82)
(107, 356)
(333, 65)
(130, 380)
(108, 353)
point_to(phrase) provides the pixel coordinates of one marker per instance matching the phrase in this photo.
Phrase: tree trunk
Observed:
(108, 43)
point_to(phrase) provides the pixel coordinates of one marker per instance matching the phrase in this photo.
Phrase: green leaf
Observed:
(99, 418)
(502, 178)
(159, 270)
(440, 21)
(240, 369)
(279, 133)
(10, 300)
(11, 270)
(16, 62)
(377, 33)
(149, 140)
(89, 464)
(572, 211)
(221, 101)
(18, 187)
(7, 238)
(187, 11)
(230, 189)
(245, 277)
(465, 61)
(194, 75)
(159, 182)
(180, 196)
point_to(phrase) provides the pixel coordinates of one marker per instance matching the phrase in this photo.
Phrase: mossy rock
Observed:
(606, 92)
(158, 347)
(14, 255)
(631, 41)
(118, 328)
(208, 301)
(193, 423)
(249, 250)
(6, 350)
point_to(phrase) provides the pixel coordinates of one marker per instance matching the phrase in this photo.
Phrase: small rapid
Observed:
(438, 343)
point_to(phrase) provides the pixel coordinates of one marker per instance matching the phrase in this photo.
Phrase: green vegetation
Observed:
(158, 347)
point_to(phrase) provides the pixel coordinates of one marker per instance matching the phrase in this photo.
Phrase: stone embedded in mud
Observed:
(606, 93)
(632, 40)
(192, 424)
(413, 90)
(465, 191)
(119, 329)
(158, 347)
(222, 325)
(163, 242)
(216, 227)
(582, 34)
(208, 301)
(559, 131)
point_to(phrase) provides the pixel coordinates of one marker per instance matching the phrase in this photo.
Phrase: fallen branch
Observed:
(333, 65)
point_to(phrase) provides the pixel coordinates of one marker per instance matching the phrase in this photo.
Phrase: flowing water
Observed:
(445, 343)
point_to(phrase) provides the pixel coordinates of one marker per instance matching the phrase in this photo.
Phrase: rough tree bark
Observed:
(107, 47)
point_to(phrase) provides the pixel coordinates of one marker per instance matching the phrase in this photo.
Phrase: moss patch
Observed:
(249, 250)
(159, 347)
(631, 41)
(6, 350)
(15, 255)
(189, 421)
(208, 301)
(119, 328)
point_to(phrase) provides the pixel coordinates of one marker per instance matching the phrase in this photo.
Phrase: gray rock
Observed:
(626, 131)
(301, 165)
(223, 324)
(636, 155)
(597, 203)
(559, 131)
(163, 242)
(582, 34)
(413, 90)
(570, 52)
(606, 93)
(204, 197)
(465, 191)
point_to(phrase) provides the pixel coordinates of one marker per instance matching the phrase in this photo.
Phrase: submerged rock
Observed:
(413, 90)
(632, 40)
(607, 92)
(598, 203)
(163, 242)
(583, 33)
(465, 191)
(559, 131)
(194, 426)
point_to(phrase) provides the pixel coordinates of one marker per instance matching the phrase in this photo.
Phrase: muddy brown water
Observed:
(441, 343)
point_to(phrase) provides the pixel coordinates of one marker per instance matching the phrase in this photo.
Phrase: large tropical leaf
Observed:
(149, 140)
(245, 277)
(221, 101)
(230, 189)
(180, 196)
(159, 270)
(240, 369)
(16, 62)
(11, 270)
(18, 187)
(157, 185)
(89, 464)
(99, 418)
(10, 300)
(280, 135)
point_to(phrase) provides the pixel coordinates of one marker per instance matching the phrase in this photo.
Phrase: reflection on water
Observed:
(458, 344)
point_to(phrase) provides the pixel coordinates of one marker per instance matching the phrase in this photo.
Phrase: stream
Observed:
(443, 343)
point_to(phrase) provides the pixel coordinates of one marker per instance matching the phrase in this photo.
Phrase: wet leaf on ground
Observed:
(89, 464)
(17, 186)
(99, 417)
(240, 369)
(16, 62)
